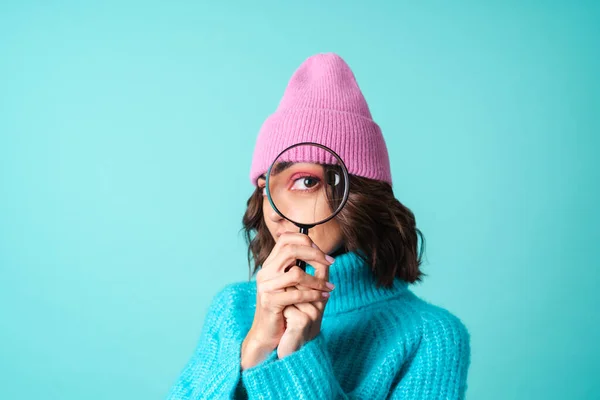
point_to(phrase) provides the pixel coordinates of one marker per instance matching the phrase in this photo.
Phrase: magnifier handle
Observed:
(302, 263)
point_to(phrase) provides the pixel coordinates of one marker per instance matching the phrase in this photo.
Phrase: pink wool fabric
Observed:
(323, 104)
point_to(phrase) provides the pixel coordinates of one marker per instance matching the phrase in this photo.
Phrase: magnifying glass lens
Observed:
(306, 184)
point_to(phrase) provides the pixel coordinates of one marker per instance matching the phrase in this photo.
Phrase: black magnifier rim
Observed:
(346, 189)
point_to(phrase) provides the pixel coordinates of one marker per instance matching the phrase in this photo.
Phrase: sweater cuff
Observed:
(305, 373)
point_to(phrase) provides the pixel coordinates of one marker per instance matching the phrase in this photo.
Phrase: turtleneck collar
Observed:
(355, 284)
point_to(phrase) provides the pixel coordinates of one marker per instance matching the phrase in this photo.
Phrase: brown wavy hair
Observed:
(372, 221)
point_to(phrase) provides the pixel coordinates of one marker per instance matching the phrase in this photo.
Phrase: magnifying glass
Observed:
(307, 184)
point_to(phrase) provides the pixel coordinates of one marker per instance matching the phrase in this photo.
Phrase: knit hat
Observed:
(323, 103)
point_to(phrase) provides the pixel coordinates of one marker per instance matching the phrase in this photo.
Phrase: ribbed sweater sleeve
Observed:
(440, 364)
(304, 374)
(214, 369)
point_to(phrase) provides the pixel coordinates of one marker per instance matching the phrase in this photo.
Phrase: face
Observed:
(298, 192)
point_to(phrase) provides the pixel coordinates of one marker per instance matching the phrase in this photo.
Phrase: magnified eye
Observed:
(305, 183)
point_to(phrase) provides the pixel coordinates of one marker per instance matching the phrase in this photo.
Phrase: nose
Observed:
(273, 215)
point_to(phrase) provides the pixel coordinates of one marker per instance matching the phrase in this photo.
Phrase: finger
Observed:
(287, 238)
(292, 252)
(284, 239)
(309, 309)
(278, 300)
(294, 277)
(292, 311)
(296, 319)
(322, 269)
(313, 309)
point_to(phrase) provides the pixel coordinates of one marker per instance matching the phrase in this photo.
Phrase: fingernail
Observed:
(330, 285)
(325, 294)
(315, 246)
(329, 258)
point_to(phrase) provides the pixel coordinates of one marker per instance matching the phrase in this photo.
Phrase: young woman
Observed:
(348, 327)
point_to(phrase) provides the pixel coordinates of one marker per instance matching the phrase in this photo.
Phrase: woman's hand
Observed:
(303, 320)
(272, 297)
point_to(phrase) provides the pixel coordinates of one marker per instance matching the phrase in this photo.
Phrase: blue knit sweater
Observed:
(375, 343)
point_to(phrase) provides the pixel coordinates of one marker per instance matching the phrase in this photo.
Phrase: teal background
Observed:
(126, 135)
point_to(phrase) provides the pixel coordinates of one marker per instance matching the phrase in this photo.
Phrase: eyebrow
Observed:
(281, 166)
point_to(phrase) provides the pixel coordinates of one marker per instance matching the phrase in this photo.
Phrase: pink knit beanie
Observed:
(323, 103)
